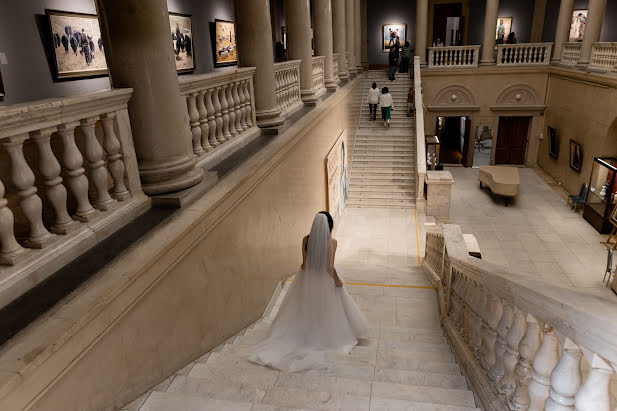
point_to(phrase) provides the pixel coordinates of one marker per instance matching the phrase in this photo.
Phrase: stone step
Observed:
(372, 181)
(218, 388)
(420, 378)
(381, 196)
(381, 168)
(380, 203)
(171, 401)
(376, 191)
(377, 149)
(386, 174)
(384, 161)
(446, 396)
(318, 400)
(388, 404)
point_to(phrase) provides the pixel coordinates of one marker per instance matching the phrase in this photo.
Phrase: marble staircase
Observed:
(394, 369)
(383, 167)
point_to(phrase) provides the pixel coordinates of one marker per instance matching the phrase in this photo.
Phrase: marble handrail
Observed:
(571, 53)
(522, 340)
(220, 108)
(453, 57)
(70, 171)
(603, 57)
(287, 78)
(335, 65)
(420, 138)
(319, 85)
(524, 54)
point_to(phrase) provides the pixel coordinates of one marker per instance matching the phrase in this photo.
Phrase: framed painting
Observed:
(225, 48)
(577, 27)
(576, 156)
(337, 177)
(392, 34)
(182, 41)
(77, 44)
(503, 30)
(553, 143)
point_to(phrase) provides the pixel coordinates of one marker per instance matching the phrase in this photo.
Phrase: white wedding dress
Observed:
(315, 318)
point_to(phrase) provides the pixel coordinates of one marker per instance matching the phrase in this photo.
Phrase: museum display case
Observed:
(601, 194)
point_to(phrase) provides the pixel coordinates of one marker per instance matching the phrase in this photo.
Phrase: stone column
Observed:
(537, 25)
(421, 21)
(487, 56)
(159, 118)
(254, 35)
(350, 38)
(322, 13)
(563, 28)
(358, 27)
(593, 27)
(339, 36)
(363, 27)
(298, 24)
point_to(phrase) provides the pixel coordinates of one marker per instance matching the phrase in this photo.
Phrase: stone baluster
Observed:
(497, 370)
(454, 308)
(203, 121)
(73, 161)
(493, 317)
(11, 252)
(213, 124)
(565, 379)
(594, 394)
(237, 104)
(544, 361)
(49, 168)
(528, 347)
(472, 288)
(230, 110)
(242, 106)
(115, 162)
(96, 165)
(191, 102)
(507, 384)
(30, 203)
(224, 113)
(249, 102)
(475, 339)
(483, 312)
(218, 116)
(462, 300)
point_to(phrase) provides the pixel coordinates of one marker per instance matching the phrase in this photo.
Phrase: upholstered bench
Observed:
(503, 181)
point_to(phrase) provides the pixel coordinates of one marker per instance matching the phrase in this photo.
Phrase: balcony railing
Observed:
(453, 57)
(520, 340)
(287, 77)
(319, 85)
(69, 179)
(420, 140)
(524, 54)
(603, 57)
(571, 53)
(220, 108)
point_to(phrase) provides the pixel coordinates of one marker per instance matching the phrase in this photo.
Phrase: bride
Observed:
(318, 315)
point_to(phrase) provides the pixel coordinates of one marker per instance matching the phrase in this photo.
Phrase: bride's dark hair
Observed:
(330, 220)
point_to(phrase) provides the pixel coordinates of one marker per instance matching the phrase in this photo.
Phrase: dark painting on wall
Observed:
(553, 143)
(183, 41)
(225, 48)
(576, 156)
(77, 44)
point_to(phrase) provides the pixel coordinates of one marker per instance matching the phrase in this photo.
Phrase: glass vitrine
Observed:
(601, 194)
(432, 151)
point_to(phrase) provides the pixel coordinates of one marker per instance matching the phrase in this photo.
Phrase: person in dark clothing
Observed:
(511, 38)
(280, 54)
(65, 43)
(406, 56)
(187, 45)
(393, 61)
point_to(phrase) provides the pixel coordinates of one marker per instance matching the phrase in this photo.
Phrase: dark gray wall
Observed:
(387, 12)
(475, 26)
(521, 12)
(552, 14)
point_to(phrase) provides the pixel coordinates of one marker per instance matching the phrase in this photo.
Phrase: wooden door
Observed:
(512, 140)
(467, 147)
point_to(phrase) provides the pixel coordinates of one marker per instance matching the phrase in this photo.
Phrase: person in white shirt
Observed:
(438, 43)
(387, 105)
(373, 100)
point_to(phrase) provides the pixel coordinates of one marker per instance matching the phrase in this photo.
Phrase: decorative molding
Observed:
(455, 97)
(518, 95)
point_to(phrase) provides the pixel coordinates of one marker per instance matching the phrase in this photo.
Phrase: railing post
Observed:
(497, 371)
(203, 122)
(507, 385)
(11, 252)
(115, 163)
(544, 361)
(565, 379)
(528, 347)
(96, 165)
(191, 102)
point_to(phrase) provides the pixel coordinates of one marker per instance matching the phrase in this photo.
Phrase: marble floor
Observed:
(538, 234)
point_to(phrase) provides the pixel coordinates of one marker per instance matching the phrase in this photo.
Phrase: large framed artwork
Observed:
(77, 44)
(182, 40)
(576, 156)
(553, 143)
(504, 28)
(577, 28)
(393, 34)
(225, 48)
(336, 174)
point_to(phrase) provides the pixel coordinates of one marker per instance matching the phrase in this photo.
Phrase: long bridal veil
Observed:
(316, 317)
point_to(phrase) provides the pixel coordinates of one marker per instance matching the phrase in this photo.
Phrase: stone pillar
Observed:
(350, 38)
(364, 34)
(298, 24)
(322, 13)
(563, 28)
(254, 35)
(537, 25)
(159, 118)
(487, 56)
(438, 193)
(339, 36)
(593, 27)
(358, 34)
(421, 21)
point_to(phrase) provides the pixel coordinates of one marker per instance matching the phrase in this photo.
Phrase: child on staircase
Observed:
(410, 102)
(386, 103)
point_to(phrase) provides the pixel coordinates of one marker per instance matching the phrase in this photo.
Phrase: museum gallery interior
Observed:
(162, 160)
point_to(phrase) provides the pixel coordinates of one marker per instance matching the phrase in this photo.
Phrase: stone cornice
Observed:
(193, 83)
(284, 65)
(453, 108)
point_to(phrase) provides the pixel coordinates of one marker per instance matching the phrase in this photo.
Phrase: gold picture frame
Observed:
(225, 45)
(392, 34)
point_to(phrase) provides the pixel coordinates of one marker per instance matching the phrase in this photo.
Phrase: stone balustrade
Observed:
(571, 53)
(221, 109)
(524, 344)
(453, 57)
(69, 178)
(319, 85)
(335, 66)
(420, 137)
(524, 54)
(287, 77)
(603, 57)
